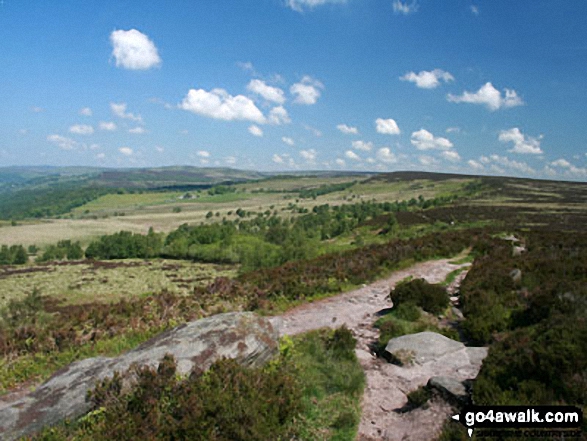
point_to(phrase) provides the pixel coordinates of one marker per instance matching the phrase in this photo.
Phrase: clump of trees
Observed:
(65, 249)
(13, 255)
(125, 245)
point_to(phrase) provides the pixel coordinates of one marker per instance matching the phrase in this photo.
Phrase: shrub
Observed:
(407, 311)
(431, 298)
(419, 397)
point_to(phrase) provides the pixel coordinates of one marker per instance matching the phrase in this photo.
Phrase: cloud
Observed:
(405, 8)
(218, 104)
(362, 145)
(288, 141)
(308, 155)
(424, 140)
(255, 130)
(203, 154)
(278, 115)
(522, 144)
(247, 66)
(270, 93)
(489, 96)
(137, 130)
(119, 109)
(347, 130)
(340, 162)
(81, 129)
(561, 163)
(427, 160)
(352, 155)
(514, 165)
(384, 154)
(62, 142)
(159, 149)
(387, 126)
(306, 91)
(108, 126)
(301, 5)
(277, 159)
(86, 111)
(127, 151)
(474, 10)
(451, 156)
(453, 130)
(428, 79)
(314, 130)
(134, 50)
(230, 160)
(101, 155)
(37, 109)
(475, 165)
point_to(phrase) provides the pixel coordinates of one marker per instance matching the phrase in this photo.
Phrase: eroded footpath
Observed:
(386, 384)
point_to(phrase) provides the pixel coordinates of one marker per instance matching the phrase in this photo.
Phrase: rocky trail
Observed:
(387, 384)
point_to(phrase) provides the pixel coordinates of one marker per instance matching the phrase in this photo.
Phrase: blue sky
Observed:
(467, 86)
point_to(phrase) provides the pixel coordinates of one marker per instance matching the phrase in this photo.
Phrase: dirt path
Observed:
(386, 384)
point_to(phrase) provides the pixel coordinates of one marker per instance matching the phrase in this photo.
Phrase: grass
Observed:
(332, 387)
(450, 277)
(85, 282)
(35, 368)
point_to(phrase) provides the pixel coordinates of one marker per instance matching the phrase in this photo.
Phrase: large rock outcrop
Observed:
(244, 336)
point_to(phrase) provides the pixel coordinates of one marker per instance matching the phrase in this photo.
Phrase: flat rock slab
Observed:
(425, 346)
(244, 336)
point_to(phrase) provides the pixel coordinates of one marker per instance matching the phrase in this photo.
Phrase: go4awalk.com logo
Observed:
(536, 420)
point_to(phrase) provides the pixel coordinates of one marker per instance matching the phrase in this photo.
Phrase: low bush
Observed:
(431, 298)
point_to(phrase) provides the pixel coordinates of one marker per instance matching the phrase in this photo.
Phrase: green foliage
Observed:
(431, 298)
(419, 397)
(50, 201)
(325, 189)
(63, 249)
(407, 311)
(313, 388)
(221, 189)
(126, 245)
(13, 255)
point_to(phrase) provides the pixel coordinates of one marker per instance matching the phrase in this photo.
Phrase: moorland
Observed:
(97, 261)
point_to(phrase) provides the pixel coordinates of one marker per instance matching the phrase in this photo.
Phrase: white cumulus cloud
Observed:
(405, 8)
(428, 79)
(62, 142)
(489, 96)
(301, 5)
(137, 130)
(347, 130)
(86, 111)
(451, 155)
(522, 144)
(308, 155)
(387, 126)
(134, 50)
(561, 163)
(119, 109)
(288, 141)
(203, 154)
(340, 162)
(306, 91)
(127, 151)
(108, 126)
(385, 154)
(514, 165)
(475, 164)
(81, 129)
(362, 145)
(277, 159)
(255, 130)
(278, 115)
(270, 93)
(218, 104)
(424, 140)
(352, 155)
